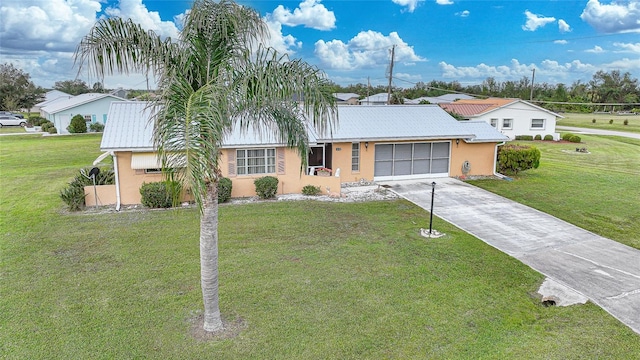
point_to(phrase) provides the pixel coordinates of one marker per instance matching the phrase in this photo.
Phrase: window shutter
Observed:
(280, 156)
(231, 155)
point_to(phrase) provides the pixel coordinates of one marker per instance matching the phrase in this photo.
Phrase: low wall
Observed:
(106, 195)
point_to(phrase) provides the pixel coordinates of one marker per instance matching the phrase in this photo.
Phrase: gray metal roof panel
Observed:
(484, 132)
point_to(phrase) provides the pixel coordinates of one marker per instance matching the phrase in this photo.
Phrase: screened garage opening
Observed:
(411, 160)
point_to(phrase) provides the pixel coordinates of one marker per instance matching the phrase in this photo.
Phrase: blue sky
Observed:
(449, 40)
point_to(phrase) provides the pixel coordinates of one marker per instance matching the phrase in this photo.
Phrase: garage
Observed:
(399, 161)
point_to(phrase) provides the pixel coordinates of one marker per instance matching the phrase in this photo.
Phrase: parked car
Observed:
(6, 120)
(9, 113)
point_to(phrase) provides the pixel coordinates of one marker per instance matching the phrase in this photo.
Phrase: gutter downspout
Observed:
(117, 175)
(495, 163)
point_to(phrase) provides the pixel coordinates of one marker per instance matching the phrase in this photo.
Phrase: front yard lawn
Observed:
(308, 279)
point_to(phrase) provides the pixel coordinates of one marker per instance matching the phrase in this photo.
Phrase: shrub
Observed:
(224, 189)
(548, 138)
(311, 190)
(52, 130)
(524, 137)
(567, 136)
(97, 127)
(161, 194)
(611, 121)
(575, 139)
(266, 187)
(626, 122)
(78, 125)
(593, 121)
(515, 158)
(45, 125)
(36, 120)
(537, 137)
(73, 195)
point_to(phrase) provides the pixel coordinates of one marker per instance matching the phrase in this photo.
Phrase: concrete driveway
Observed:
(606, 272)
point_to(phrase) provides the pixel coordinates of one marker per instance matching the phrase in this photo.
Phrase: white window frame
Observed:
(510, 126)
(268, 166)
(538, 127)
(355, 157)
(494, 122)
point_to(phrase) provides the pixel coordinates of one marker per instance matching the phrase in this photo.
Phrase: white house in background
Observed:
(92, 106)
(49, 98)
(377, 99)
(346, 98)
(512, 117)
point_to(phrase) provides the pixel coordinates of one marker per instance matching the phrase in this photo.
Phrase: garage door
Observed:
(411, 160)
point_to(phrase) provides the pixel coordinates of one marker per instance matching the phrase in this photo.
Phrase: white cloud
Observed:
(310, 13)
(366, 50)
(596, 50)
(561, 42)
(408, 77)
(444, 2)
(463, 14)
(563, 26)
(282, 43)
(410, 4)
(149, 20)
(535, 21)
(627, 47)
(619, 16)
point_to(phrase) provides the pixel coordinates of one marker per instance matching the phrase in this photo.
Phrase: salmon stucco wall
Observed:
(131, 180)
(480, 156)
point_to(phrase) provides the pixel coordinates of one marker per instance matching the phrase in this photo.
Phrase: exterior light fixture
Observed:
(366, 144)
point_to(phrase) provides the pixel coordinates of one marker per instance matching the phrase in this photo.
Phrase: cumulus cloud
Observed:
(410, 4)
(563, 26)
(277, 40)
(444, 2)
(619, 16)
(535, 21)
(310, 13)
(149, 20)
(596, 50)
(561, 42)
(628, 47)
(368, 49)
(463, 14)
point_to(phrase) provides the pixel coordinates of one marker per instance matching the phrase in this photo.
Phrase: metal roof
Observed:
(58, 106)
(129, 127)
(484, 132)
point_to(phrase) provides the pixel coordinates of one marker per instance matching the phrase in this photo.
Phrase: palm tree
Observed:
(213, 80)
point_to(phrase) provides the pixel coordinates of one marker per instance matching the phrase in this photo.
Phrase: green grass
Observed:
(597, 191)
(602, 121)
(12, 130)
(303, 279)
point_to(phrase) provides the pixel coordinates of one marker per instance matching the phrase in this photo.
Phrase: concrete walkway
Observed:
(605, 271)
(579, 130)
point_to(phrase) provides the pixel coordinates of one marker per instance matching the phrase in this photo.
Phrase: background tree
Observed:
(72, 87)
(17, 91)
(212, 83)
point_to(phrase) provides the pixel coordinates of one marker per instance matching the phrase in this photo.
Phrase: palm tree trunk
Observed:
(209, 259)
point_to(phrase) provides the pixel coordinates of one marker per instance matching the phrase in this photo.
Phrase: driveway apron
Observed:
(605, 271)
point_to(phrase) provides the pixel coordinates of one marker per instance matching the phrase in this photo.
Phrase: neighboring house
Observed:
(120, 92)
(447, 98)
(92, 106)
(373, 143)
(512, 117)
(49, 98)
(377, 99)
(346, 98)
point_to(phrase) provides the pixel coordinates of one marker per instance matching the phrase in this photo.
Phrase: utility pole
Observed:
(532, 78)
(393, 51)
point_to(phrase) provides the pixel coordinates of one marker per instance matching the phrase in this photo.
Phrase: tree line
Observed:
(605, 87)
(17, 91)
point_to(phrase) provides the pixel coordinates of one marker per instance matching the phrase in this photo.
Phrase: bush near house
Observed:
(515, 158)
(548, 138)
(537, 137)
(36, 120)
(96, 127)
(52, 130)
(161, 194)
(266, 187)
(46, 125)
(224, 189)
(566, 136)
(73, 195)
(575, 139)
(311, 190)
(524, 137)
(78, 125)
